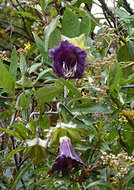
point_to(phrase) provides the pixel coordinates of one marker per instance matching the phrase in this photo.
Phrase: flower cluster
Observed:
(122, 119)
(2, 54)
(127, 113)
(119, 163)
(69, 60)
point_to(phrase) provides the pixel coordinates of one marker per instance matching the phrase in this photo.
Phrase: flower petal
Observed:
(67, 156)
(69, 60)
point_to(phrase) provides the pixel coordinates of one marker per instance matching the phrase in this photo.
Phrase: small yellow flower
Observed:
(116, 139)
(122, 43)
(68, 91)
(82, 93)
(126, 121)
(127, 113)
(125, 39)
(111, 112)
(72, 106)
(2, 31)
(48, 176)
(96, 126)
(27, 46)
(120, 120)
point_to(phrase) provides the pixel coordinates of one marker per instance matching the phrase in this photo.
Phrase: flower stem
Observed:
(65, 91)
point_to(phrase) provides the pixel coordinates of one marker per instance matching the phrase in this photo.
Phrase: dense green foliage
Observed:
(33, 99)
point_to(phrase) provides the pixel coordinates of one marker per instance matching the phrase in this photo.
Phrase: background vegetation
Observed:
(32, 99)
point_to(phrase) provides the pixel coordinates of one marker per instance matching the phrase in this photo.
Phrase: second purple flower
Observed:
(69, 60)
(67, 158)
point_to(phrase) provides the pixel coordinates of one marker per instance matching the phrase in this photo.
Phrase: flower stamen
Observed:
(69, 72)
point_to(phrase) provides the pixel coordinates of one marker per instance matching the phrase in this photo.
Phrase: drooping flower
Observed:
(67, 158)
(69, 60)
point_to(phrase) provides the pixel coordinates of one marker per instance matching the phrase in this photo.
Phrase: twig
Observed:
(22, 162)
(72, 114)
(1, 134)
(15, 113)
(128, 86)
(30, 87)
(4, 97)
(4, 48)
(116, 23)
(12, 138)
(130, 64)
(24, 24)
(106, 9)
(115, 16)
(14, 5)
(65, 91)
(8, 24)
(20, 5)
(49, 112)
(56, 4)
(126, 5)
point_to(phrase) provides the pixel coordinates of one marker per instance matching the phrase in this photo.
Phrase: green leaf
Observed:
(25, 100)
(79, 41)
(40, 45)
(44, 122)
(5, 150)
(16, 150)
(13, 65)
(128, 177)
(44, 181)
(125, 54)
(100, 184)
(85, 25)
(23, 132)
(63, 129)
(11, 132)
(23, 64)
(130, 46)
(48, 31)
(36, 153)
(24, 82)
(44, 3)
(28, 15)
(42, 74)
(130, 187)
(47, 93)
(20, 174)
(90, 107)
(55, 38)
(123, 14)
(70, 24)
(5, 79)
(34, 67)
(70, 86)
(115, 79)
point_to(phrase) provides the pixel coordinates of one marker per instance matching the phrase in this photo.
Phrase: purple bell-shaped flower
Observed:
(69, 60)
(67, 158)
